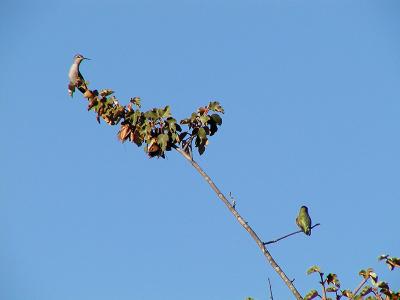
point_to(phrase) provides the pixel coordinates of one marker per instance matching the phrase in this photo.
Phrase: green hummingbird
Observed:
(303, 220)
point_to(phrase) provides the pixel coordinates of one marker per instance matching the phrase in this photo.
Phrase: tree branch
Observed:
(360, 286)
(290, 234)
(244, 224)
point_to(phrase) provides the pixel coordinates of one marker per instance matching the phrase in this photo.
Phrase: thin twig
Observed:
(290, 234)
(323, 286)
(270, 290)
(188, 143)
(359, 287)
(242, 222)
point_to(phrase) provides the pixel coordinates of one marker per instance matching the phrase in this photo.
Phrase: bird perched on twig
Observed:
(75, 77)
(303, 220)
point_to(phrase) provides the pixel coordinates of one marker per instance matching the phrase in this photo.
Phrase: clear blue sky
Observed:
(312, 97)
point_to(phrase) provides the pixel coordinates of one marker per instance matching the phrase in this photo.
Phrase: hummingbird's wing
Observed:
(80, 84)
(308, 227)
(298, 223)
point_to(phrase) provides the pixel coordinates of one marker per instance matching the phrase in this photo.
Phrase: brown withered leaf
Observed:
(124, 132)
(202, 110)
(154, 148)
(108, 120)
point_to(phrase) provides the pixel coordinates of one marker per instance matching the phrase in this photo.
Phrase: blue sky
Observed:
(312, 100)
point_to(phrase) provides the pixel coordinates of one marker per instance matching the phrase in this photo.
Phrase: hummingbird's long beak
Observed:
(86, 58)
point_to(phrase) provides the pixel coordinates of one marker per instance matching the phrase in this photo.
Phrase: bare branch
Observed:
(290, 234)
(359, 286)
(244, 224)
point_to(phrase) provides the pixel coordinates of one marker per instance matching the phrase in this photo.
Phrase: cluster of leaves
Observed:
(377, 290)
(156, 127)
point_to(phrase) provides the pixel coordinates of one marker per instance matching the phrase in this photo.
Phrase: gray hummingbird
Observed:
(75, 77)
(303, 220)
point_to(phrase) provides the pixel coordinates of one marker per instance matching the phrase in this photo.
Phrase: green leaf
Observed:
(366, 290)
(171, 124)
(202, 133)
(347, 293)
(216, 118)
(171, 120)
(193, 117)
(332, 289)
(133, 118)
(166, 112)
(311, 295)
(374, 277)
(204, 119)
(151, 114)
(215, 106)
(136, 101)
(174, 137)
(162, 140)
(313, 269)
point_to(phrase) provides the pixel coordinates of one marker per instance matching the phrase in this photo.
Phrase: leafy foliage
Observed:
(156, 127)
(377, 289)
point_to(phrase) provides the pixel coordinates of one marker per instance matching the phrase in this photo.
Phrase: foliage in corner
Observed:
(380, 290)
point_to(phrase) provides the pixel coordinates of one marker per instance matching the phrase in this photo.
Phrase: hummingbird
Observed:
(303, 220)
(75, 77)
